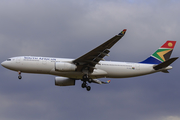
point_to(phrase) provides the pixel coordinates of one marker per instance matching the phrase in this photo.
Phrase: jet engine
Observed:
(63, 81)
(65, 67)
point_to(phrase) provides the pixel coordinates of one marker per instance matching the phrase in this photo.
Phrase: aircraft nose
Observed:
(3, 64)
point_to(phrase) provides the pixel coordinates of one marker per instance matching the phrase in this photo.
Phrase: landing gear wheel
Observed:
(88, 88)
(20, 77)
(85, 76)
(90, 80)
(85, 79)
(83, 85)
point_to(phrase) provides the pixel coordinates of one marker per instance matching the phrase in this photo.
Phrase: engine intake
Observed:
(65, 67)
(63, 81)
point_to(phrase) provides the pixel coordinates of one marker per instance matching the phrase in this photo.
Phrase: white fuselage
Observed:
(108, 69)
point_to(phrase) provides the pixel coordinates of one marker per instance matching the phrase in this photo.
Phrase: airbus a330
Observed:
(91, 66)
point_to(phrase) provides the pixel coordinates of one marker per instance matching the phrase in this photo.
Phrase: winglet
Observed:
(108, 81)
(123, 32)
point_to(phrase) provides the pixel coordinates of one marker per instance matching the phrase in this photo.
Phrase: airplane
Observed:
(91, 66)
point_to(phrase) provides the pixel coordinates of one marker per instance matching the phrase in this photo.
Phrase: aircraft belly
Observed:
(74, 75)
(78, 75)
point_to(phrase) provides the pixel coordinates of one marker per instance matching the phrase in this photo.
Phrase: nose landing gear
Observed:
(20, 77)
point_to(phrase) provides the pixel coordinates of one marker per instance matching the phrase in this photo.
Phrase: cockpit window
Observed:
(8, 59)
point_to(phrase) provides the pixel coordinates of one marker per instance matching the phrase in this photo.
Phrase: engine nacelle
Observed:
(65, 67)
(63, 81)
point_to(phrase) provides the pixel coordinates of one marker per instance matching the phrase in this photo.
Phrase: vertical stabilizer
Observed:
(162, 54)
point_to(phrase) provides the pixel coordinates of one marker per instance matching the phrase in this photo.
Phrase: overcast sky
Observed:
(70, 28)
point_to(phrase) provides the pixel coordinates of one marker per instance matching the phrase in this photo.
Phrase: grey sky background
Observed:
(61, 28)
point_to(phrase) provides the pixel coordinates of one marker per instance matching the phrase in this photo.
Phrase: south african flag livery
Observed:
(162, 54)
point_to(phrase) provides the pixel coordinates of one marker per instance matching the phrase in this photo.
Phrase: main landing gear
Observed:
(84, 84)
(20, 77)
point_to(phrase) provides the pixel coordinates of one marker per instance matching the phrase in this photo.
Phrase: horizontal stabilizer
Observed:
(165, 71)
(165, 64)
(100, 82)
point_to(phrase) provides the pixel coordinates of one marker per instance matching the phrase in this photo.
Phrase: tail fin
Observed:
(162, 54)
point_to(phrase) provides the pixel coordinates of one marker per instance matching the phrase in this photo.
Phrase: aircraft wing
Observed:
(90, 59)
